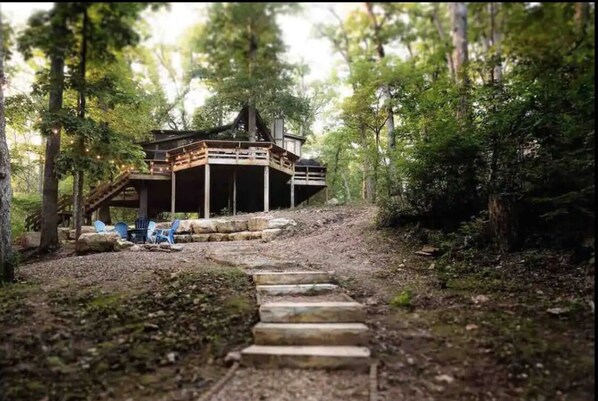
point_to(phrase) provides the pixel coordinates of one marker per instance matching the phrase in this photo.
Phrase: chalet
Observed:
(243, 166)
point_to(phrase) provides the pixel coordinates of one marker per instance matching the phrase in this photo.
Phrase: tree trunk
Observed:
(49, 218)
(347, 188)
(440, 30)
(367, 188)
(390, 121)
(458, 13)
(78, 207)
(496, 35)
(582, 14)
(6, 260)
(504, 221)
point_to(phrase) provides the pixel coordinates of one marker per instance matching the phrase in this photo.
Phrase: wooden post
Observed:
(143, 200)
(207, 192)
(234, 191)
(172, 195)
(292, 192)
(266, 188)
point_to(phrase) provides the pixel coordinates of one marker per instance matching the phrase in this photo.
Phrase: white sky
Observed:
(168, 25)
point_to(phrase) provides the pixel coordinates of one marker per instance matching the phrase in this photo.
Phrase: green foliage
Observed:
(21, 206)
(403, 299)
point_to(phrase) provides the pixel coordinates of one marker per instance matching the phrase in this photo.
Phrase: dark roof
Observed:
(309, 162)
(240, 122)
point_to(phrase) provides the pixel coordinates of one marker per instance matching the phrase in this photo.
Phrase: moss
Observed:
(403, 299)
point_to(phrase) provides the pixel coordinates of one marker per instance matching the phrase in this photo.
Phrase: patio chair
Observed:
(140, 233)
(122, 229)
(167, 234)
(100, 226)
(151, 231)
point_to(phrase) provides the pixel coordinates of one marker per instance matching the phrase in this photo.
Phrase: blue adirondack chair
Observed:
(122, 229)
(100, 226)
(140, 233)
(167, 234)
(151, 231)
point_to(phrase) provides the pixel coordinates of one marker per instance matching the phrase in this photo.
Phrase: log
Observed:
(504, 220)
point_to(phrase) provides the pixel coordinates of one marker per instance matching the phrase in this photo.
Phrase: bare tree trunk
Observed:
(582, 14)
(6, 262)
(79, 174)
(440, 30)
(458, 13)
(49, 218)
(252, 52)
(347, 188)
(496, 41)
(368, 187)
(387, 97)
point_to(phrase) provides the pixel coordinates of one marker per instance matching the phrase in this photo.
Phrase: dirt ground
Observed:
(472, 326)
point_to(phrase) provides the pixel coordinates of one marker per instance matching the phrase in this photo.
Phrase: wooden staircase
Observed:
(91, 201)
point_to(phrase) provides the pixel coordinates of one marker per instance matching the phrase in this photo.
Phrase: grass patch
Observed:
(139, 345)
(403, 299)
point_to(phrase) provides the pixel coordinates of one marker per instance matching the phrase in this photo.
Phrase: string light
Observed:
(98, 157)
(87, 149)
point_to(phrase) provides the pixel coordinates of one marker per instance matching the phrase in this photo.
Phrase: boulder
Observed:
(218, 237)
(183, 239)
(28, 240)
(201, 237)
(121, 245)
(203, 226)
(63, 234)
(333, 202)
(271, 233)
(97, 242)
(163, 225)
(184, 227)
(230, 226)
(258, 223)
(280, 223)
(244, 236)
(84, 230)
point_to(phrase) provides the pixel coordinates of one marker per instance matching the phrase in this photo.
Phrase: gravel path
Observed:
(294, 385)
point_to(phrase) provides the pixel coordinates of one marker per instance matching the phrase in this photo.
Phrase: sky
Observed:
(168, 25)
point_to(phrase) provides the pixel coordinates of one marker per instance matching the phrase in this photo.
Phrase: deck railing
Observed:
(310, 175)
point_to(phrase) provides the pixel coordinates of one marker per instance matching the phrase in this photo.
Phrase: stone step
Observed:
(305, 277)
(324, 357)
(288, 289)
(312, 312)
(310, 334)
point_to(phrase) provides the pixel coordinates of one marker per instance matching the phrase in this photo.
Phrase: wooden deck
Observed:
(232, 154)
(310, 175)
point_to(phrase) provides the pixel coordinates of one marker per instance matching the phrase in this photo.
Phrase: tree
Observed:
(48, 31)
(458, 13)
(240, 59)
(6, 258)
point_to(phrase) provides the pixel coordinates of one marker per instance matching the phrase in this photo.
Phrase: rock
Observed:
(97, 242)
(176, 248)
(184, 227)
(171, 356)
(445, 378)
(232, 357)
(183, 238)
(258, 223)
(163, 225)
(28, 240)
(203, 226)
(200, 237)
(333, 202)
(557, 311)
(164, 245)
(63, 234)
(218, 237)
(244, 236)
(84, 230)
(134, 248)
(471, 326)
(480, 299)
(270, 234)
(122, 245)
(371, 301)
(280, 223)
(422, 253)
(430, 249)
(230, 226)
